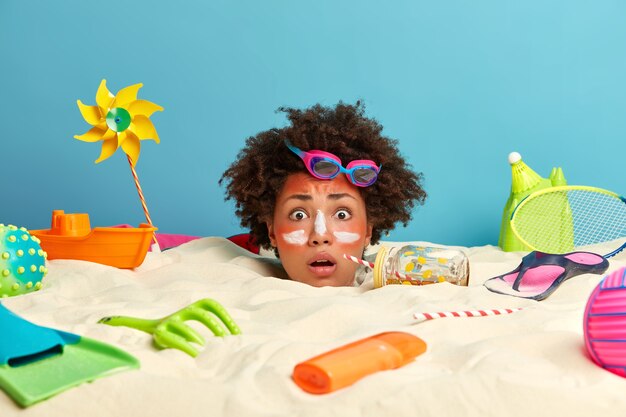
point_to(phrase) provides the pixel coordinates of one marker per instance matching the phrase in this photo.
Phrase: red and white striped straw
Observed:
(358, 261)
(143, 200)
(371, 265)
(468, 313)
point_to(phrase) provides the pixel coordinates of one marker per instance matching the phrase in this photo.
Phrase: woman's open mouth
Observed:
(322, 265)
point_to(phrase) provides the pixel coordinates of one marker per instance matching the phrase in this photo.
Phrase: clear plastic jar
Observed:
(420, 265)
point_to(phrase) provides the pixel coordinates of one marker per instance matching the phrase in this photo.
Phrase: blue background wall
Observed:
(459, 83)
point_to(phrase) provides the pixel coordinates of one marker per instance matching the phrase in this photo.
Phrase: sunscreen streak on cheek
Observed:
(295, 238)
(346, 237)
(320, 223)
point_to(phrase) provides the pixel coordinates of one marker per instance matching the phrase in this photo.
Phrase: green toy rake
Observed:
(172, 332)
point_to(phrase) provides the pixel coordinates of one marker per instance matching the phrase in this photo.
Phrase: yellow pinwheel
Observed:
(119, 120)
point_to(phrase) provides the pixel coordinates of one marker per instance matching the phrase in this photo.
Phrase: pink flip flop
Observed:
(540, 274)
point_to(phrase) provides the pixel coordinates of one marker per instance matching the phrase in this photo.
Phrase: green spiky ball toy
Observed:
(22, 261)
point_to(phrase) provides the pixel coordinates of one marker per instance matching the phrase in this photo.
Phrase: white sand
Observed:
(532, 363)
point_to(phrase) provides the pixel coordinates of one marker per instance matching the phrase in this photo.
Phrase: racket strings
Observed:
(598, 217)
(560, 221)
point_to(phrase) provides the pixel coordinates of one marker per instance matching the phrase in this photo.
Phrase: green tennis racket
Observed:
(565, 218)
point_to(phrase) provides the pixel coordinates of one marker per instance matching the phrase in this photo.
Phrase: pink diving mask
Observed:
(326, 166)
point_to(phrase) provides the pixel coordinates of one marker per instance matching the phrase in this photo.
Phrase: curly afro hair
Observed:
(255, 179)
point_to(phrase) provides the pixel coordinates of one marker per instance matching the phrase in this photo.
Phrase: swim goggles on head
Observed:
(326, 166)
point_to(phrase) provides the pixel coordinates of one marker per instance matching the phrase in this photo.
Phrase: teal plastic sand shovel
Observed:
(38, 362)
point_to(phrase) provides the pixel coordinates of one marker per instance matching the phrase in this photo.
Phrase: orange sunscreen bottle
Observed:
(347, 364)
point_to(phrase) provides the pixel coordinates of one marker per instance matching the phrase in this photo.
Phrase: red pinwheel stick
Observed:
(142, 198)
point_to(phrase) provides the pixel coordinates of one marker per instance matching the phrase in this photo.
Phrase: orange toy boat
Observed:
(71, 237)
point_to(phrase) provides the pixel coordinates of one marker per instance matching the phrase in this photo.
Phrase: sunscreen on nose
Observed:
(320, 223)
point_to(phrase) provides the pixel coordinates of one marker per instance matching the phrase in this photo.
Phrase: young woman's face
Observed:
(315, 222)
